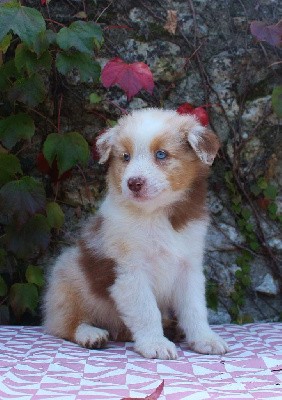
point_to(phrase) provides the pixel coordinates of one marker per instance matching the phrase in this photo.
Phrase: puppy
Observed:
(141, 256)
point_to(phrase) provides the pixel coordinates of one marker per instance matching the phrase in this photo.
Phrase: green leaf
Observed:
(241, 223)
(247, 255)
(5, 43)
(228, 176)
(80, 35)
(238, 274)
(68, 149)
(243, 262)
(246, 268)
(3, 287)
(7, 72)
(111, 122)
(272, 208)
(30, 91)
(255, 190)
(270, 192)
(44, 40)
(245, 280)
(212, 295)
(9, 167)
(277, 101)
(249, 227)
(26, 22)
(246, 319)
(235, 296)
(246, 213)
(95, 98)
(55, 215)
(254, 245)
(237, 199)
(30, 239)
(262, 183)
(236, 208)
(22, 198)
(15, 128)
(83, 63)
(35, 275)
(23, 297)
(29, 61)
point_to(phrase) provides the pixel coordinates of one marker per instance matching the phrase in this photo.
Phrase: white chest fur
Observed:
(149, 243)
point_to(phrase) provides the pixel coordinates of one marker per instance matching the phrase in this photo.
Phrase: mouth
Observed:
(143, 196)
(139, 197)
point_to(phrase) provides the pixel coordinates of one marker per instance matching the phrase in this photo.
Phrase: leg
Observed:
(65, 312)
(138, 309)
(191, 310)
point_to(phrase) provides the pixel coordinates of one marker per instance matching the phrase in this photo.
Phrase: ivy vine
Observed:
(31, 56)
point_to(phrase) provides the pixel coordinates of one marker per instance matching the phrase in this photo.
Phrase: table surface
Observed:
(34, 365)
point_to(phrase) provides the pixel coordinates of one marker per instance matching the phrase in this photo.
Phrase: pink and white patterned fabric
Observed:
(36, 366)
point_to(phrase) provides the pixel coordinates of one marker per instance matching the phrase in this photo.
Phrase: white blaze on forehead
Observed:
(145, 125)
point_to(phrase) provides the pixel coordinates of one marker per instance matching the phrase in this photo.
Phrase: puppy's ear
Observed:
(104, 145)
(204, 142)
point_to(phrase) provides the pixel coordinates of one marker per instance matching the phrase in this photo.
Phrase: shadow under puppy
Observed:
(141, 255)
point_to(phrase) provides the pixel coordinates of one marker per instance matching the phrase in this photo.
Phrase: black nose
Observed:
(135, 184)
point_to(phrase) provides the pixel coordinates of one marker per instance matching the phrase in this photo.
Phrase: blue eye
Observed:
(126, 157)
(161, 154)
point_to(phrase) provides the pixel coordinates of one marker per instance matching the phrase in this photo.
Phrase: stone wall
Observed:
(211, 58)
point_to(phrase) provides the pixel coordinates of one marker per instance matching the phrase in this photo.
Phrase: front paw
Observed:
(208, 343)
(91, 337)
(161, 348)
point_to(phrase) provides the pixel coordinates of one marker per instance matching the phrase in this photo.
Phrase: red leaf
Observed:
(42, 164)
(43, 2)
(263, 203)
(185, 108)
(272, 34)
(154, 396)
(130, 77)
(53, 171)
(202, 115)
(199, 112)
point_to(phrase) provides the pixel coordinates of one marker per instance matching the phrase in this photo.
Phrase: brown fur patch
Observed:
(172, 330)
(170, 327)
(191, 207)
(117, 164)
(183, 172)
(160, 142)
(115, 173)
(123, 335)
(126, 145)
(209, 144)
(181, 166)
(74, 313)
(98, 269)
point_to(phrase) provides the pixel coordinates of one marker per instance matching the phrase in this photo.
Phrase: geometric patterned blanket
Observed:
(37, 366)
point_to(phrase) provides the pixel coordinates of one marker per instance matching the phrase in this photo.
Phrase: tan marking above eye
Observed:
(159, 142)
(127, 145)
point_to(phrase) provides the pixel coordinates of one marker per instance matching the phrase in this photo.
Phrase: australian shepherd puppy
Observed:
(141, 256)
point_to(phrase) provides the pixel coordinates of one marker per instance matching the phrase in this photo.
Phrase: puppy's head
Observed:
(155, 155)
